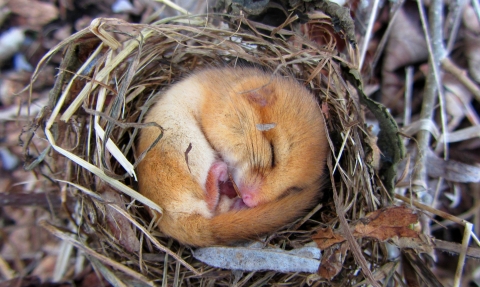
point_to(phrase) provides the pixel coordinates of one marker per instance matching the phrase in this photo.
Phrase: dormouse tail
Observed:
(255, 222)
(233, 226)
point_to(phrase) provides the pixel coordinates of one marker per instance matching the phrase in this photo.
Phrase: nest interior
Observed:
(108, 79)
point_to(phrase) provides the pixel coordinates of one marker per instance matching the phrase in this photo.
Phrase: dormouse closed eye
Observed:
(272, 150)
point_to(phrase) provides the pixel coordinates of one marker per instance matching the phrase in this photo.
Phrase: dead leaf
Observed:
(406, 45)
(392, 223)
(118, 224)
(383, 224)
(387, 223)
(332, 261)
(326, 237)
(35, 13)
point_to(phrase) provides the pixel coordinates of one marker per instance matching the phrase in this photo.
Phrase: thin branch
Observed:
(368, 34)
(461, 75)
(451, 247)
(457, 17)
(436, 52)
(467, 234)
(407, 115)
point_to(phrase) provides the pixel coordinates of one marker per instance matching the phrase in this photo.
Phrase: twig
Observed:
(456, 23)
(407, 116)
(467, 234)
(461, 75)
(368, 34)
(452, 247)
(430, 209)
(18, 199)
(436, 52)
(471, 212)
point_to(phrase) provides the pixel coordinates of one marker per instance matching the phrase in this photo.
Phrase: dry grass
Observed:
(104, 89)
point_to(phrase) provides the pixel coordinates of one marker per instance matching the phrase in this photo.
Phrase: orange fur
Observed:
(268, 129)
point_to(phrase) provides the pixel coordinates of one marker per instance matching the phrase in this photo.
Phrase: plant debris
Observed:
(393, 223)
(78, 138)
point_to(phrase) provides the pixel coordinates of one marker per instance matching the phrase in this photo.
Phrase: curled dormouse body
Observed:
(243, 153)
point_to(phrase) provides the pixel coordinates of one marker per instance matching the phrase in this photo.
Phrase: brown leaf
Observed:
(406, 44)
(35, 14)
(383, 224)
(326, 237)
(387, 223)
(332, 261)
(391, 223)
(120, 227)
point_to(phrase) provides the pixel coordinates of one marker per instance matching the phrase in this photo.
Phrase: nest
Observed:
(105, 84)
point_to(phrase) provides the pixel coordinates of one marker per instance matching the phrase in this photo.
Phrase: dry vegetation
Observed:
(70, 213)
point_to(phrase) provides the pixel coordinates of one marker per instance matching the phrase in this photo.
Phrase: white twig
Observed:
(368, 33)
(407, 115)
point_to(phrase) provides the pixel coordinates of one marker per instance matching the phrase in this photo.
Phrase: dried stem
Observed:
(461, 75)
(436, 51)
(368, 34)
(467, 234)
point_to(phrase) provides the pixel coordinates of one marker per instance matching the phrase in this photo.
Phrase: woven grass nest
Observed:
(109, 75)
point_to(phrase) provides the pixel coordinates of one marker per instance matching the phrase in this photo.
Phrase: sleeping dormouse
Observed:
(243, 154)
